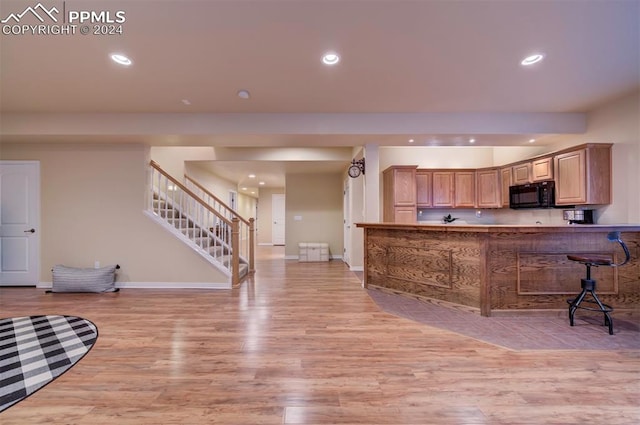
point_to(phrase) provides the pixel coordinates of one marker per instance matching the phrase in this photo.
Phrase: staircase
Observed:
(215, 237)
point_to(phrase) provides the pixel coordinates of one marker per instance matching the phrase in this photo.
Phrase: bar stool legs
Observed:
(589, 287)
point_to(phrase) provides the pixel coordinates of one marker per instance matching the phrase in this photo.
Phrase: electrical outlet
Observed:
(96, 264)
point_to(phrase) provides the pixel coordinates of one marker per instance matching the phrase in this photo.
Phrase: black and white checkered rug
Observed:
(36, 350)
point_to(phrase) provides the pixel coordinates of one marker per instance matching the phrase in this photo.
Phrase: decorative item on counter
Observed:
(449, 219)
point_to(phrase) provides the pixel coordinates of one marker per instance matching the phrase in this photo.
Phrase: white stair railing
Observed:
(188, 215)
(246, 231)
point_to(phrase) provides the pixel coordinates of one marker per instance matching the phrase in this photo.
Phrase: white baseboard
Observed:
(356, 268)
(265, 244)
(159, 285)
(291, 257)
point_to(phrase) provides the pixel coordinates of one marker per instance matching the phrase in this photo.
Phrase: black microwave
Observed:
(532, 195)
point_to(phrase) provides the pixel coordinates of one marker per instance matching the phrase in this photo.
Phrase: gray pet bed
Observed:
(72, 279)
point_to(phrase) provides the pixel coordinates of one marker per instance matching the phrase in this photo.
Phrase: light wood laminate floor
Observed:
(303, 343)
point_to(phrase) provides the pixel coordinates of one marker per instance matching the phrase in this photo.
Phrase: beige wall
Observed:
(220, 187)
(616, 122)
(172, 158)
(92, 201)
(317, 199)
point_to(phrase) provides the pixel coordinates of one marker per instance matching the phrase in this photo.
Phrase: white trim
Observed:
(357, 268)
(159, 285)
(265, 244)
(291, 257)
(336, 257)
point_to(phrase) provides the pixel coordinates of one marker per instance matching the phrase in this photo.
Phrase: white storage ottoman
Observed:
(313, 251)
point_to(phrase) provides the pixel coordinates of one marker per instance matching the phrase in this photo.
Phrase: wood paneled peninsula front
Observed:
(499, 269)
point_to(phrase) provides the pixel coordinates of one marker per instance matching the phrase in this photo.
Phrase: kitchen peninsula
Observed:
(499, 269)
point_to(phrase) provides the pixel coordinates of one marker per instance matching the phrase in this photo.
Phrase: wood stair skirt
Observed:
(195, 234)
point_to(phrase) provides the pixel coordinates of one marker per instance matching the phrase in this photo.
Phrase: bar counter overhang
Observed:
(499, 269)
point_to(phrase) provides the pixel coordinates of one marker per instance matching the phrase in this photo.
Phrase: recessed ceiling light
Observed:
(411, 140)
(472, 140)
(244, 188)
(261, 183)
(252, 176)
(532, 140)
(330, 58)
(186, 102)
(244, 94)
(530, 60)
(121, 59)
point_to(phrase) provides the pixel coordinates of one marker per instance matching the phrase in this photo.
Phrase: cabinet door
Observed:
(488, 193)
(465, 189)
(521, 173)
(442, 195)
(405, 215)
(542, 169)
(571, 178)
(423, 188)
(405, 187)
(507, 181)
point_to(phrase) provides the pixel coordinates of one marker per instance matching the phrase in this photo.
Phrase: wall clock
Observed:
(356, 168)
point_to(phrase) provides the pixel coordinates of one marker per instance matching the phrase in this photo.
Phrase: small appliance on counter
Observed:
(578, 216)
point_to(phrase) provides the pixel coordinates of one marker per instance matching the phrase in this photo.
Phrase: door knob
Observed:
(30, 231)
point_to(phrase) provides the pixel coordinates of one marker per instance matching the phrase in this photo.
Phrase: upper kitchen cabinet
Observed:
(424, 184)
(446, 188)
(464, 189)
(442, 189)
(521, 173)
(583, 176)
(399, 194)
(542, 169)
(506, 180)
(488, 193)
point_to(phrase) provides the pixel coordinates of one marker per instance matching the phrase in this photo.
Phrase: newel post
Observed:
(235, 251)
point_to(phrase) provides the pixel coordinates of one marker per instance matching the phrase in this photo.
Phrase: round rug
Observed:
(35, 350)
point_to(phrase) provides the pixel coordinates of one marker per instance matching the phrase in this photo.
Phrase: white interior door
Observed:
(19, 217)
(278, 216)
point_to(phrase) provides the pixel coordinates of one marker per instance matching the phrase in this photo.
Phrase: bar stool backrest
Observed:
(615, 237)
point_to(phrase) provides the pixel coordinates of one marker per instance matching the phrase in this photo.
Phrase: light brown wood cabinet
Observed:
(506, 181)
(583, 177)
(521, 173)
(442, 189)
(542, 169)
(448, 189)
(464, 189)
(399, 194)
(488, 193)
(424, 185)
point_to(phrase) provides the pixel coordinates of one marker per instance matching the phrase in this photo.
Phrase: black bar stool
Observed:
(589, 285)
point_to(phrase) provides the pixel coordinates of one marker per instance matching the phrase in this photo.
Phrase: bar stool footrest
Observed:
(607, 308)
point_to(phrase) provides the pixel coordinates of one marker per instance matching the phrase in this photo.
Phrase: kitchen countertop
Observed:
(492, 228)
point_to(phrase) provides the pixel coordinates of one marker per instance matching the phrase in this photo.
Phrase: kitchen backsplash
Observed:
(495, 216)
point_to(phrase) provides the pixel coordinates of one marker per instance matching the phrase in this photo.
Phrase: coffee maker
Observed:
(578, 216)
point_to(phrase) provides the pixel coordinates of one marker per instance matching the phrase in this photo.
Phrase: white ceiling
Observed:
(399, 58)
